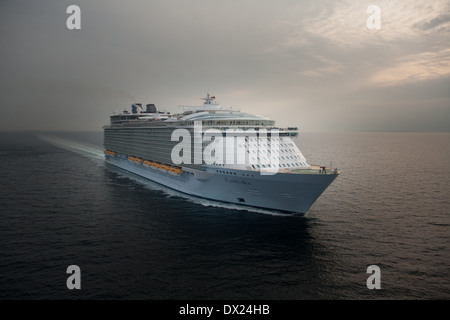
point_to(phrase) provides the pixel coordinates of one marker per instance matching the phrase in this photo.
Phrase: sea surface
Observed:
(61, 205)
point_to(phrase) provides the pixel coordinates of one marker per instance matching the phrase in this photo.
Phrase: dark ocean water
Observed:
(60, 205)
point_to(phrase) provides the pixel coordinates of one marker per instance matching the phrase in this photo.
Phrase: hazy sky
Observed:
(313, 64)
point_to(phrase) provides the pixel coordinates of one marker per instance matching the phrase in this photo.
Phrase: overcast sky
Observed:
(312, 64)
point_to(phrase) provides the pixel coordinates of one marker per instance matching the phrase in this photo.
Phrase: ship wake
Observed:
(80, 148)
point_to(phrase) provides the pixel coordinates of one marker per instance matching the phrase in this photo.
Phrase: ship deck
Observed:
(315, 169)
(312, 169)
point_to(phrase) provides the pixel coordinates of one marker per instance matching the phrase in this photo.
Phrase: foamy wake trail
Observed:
(75, 146)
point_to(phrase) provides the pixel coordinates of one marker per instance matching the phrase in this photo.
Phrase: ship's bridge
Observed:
(211, 113)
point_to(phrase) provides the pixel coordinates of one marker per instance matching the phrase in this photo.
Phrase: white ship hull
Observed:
(286, 192)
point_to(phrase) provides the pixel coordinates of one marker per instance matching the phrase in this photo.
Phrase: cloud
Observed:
(419, 67)
(441, 20)
(326, 67)
(344, 23)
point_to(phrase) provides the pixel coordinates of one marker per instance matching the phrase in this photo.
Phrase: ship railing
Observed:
(140, 123)
(317, 169)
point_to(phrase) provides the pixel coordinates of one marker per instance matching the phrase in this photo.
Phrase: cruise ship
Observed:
(217, 153)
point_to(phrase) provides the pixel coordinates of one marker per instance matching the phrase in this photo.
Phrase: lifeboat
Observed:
(161, 166)
(112, 153)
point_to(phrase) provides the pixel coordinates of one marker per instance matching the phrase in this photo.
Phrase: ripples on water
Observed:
(133, 239)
